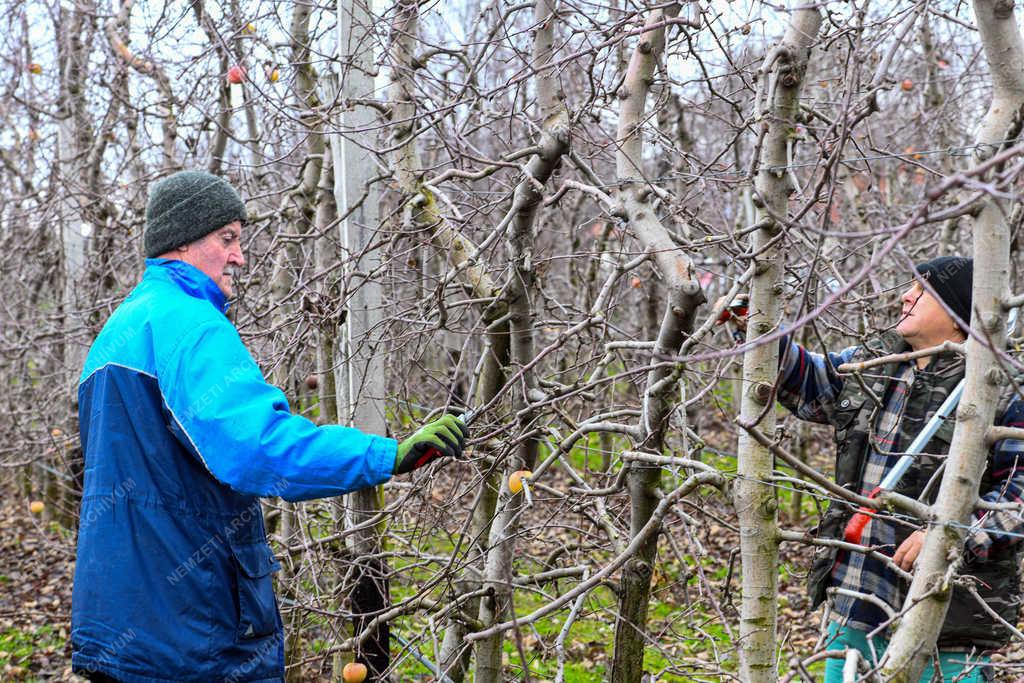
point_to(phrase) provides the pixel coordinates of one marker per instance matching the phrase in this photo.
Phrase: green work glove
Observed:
(443, 437)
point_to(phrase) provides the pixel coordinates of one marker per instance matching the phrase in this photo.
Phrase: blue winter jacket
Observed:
(181, 436)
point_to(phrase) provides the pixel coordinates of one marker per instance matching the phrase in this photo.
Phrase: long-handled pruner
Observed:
(855, 527)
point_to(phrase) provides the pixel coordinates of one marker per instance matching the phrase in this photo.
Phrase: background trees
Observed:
(526, 209)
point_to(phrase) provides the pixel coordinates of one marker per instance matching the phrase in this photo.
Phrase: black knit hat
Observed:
(951, 277)
(188, 206)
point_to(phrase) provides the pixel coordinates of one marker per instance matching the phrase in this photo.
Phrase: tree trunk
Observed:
(74, 138)
(421, 212)
(682, 296)
(756, 502)
(554, 143)
(298, 211)
(455, 654)
(360, 379)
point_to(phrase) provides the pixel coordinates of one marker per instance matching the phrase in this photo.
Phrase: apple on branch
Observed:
(515, 480)
(354, 672)
(236, 74)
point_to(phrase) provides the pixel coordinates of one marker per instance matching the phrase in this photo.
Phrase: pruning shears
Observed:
(737, 308)
(855, 527)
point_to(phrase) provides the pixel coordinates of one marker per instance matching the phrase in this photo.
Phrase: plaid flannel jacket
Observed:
(809, 387)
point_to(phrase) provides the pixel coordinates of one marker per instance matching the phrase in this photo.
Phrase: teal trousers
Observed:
(958, 667)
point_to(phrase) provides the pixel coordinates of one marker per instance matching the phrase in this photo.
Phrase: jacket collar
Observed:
(944, 363)
(192, 281)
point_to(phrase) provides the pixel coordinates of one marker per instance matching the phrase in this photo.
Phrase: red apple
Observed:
(236, 74)
(907, 85)
(35, 68)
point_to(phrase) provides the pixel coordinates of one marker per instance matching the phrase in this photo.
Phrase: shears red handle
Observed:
(738, 307)
(855, 527)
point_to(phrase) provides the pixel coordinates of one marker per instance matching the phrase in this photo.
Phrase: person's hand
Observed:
(444, 437)
(908, 551)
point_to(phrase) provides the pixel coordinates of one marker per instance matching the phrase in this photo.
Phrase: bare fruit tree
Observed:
(535, 214)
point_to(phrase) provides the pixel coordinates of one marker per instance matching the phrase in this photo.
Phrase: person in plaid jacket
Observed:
(874, 421)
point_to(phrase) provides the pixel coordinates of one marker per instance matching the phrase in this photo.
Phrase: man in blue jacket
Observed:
(181, 437)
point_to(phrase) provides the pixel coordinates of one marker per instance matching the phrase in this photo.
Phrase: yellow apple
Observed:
(515, 480)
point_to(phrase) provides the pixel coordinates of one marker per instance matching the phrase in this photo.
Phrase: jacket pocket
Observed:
(257, 606)
(819, 576)
(845, 411)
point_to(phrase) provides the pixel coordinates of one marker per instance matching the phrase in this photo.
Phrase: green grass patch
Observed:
(17, 648)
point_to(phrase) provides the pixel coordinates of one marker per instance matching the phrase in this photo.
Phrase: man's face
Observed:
(924, 321)
(219, 255)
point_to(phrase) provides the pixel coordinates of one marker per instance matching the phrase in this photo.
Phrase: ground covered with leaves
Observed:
(37, 566)
(37, 560)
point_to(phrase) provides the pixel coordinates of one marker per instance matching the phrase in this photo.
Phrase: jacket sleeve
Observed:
(809, 383)
(999, 529)
(243, 431)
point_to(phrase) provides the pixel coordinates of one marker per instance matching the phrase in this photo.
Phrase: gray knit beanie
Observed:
(188, 206)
